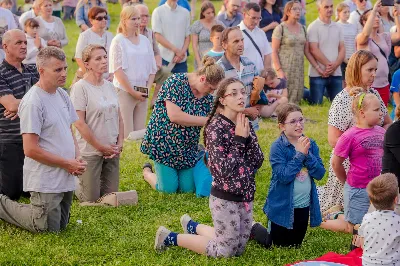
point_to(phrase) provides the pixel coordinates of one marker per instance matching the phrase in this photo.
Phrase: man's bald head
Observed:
(12, 35)
(144, 15)
(14, 45)
(142, 7)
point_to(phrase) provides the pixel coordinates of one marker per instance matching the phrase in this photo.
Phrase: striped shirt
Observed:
(15, 83)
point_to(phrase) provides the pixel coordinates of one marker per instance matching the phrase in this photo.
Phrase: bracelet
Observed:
(278, 69)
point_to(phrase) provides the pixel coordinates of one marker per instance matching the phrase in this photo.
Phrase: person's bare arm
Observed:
(177, 116)
(317, 54)
(10, 103)
(123, 80)
(267, 61)
(164, 42)
(195, 46)
(311, 58)
(338, 168)
(363, 37)
(276, 46)
(333, 135)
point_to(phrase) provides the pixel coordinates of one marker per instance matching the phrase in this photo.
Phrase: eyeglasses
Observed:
(144, 16)
(101, 18)
(254, 18)
(294, 122)
(296, 9)
(235, 94)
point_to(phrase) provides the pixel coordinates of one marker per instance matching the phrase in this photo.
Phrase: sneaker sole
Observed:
(158, 247)
(182, 220)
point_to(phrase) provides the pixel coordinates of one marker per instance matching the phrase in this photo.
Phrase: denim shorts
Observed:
(356, 203)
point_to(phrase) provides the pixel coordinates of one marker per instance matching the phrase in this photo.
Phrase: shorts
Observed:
(356, 203)
(162, 75)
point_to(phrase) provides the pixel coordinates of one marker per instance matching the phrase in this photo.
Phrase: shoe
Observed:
(326, 215)
(185, 219)
(161, 235)
(148, 165)
(356, 240)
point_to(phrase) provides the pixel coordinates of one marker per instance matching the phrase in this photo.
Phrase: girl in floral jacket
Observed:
(234, 158)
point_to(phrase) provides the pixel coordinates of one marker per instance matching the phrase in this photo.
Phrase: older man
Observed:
(240, 67)
(231, 17)
(162, 72)
(327, 46)
(256, 45)
(15, 80)
(33, 13)
(52, 154)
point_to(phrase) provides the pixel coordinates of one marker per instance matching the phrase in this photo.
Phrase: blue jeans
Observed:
(178, 68)
(318, 85)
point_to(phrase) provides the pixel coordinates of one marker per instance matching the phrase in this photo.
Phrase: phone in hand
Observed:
(387, 2)
(142, 90)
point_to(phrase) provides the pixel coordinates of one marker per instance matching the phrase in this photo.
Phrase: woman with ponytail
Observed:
(234, 158)
(173, 133)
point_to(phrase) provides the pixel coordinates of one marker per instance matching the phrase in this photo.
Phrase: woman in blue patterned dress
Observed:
(173, 132)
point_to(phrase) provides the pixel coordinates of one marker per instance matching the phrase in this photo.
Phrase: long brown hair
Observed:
(204, 6)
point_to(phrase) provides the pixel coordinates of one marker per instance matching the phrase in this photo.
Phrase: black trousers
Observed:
(11, 164)
(281, 236)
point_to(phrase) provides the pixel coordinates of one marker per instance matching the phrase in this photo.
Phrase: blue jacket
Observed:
(286, 163)
(81, 16)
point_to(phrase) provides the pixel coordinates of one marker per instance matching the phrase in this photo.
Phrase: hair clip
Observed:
(360, 100)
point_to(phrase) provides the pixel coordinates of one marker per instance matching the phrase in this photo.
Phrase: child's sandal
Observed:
(355, 241)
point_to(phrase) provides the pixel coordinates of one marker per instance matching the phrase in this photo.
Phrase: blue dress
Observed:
(267, 18)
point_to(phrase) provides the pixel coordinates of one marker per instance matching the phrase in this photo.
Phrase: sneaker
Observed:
(185, 219)
(161, 235)
(356, 240)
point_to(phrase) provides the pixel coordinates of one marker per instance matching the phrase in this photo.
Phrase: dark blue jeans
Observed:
(318, 85)
(178, 68)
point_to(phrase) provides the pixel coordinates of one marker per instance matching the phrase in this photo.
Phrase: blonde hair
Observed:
(127, 13)
(340, 7)
(268, 73)
(87, 51)
(213, 72)
(397, 112)
(383, 190)
(353, 70)
(361, 98)
(39, 3)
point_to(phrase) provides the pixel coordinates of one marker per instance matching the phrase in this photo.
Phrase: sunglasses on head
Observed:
(101, 18)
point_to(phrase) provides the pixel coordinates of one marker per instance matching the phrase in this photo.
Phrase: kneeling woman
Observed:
(173, 132)
(99, 128)
(234, 158)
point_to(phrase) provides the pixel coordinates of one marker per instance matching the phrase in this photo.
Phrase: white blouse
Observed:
(136, 60)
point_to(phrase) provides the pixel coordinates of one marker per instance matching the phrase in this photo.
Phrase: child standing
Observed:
(349, 33)
(380, 230)
(292, 197)
(234, 158)
(276, 91)
(34, 42)
(215, 37)
(363, 145)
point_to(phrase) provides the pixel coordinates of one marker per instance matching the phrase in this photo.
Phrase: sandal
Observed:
(355, 241)
(148, 165)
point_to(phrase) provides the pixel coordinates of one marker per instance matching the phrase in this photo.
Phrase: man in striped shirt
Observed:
(15, 80)
(240, 67)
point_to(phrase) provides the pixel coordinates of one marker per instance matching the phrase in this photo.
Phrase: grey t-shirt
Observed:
(50, 117)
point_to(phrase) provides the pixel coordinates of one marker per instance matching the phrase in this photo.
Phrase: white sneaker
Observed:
(136, 135)
(161, 235)
(185, 219)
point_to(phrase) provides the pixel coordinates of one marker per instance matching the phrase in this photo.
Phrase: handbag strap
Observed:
(254, 43)
(380, 49)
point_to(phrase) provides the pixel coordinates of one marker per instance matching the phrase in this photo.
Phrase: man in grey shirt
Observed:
(52, 154)
(231, 17)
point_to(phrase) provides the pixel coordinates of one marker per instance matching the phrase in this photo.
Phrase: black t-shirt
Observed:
(391, 151)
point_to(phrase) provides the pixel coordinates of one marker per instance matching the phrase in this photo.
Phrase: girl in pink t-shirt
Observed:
(363, 145)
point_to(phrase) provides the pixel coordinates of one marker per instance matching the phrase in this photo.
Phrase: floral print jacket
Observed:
(233, 160)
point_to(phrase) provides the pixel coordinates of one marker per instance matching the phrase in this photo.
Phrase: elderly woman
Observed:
(200, 31)
(289, 45)
(97, 34)
(360, 72)
(51, 28)
(380, 45)
(99, 128)
(133, 64)
(82, 13)
(173, 133)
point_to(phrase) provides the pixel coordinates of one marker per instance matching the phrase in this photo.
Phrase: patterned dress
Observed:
(166, 142)
(203, 34)
(340, 117)
(291, 57)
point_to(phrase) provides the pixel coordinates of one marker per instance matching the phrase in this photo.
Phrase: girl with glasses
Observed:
(292, 198)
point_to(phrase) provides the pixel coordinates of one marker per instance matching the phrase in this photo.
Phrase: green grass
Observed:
(125, 235)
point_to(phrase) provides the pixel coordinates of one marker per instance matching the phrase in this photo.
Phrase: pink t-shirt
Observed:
(364, 148)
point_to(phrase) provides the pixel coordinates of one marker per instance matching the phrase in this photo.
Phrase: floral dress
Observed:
(169, 143)
(340, 117)
(291, 56)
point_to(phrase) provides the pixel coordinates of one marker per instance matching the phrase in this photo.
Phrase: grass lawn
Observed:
(125, 235)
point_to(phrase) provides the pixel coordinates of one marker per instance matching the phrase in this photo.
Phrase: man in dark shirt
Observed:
(15, 80)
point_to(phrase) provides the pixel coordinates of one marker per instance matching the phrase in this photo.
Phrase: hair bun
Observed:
(208, 61)
(355, 91)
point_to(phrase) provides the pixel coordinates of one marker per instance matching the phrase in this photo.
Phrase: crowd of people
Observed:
(249, 64)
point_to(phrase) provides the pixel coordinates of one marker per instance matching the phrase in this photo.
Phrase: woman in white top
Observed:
(99, 128)
(34, 42)
(386, 18)
(97, 34)
(51, 28)
(133, 64)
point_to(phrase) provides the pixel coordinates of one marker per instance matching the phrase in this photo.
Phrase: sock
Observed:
(171, 239)
(192, 227)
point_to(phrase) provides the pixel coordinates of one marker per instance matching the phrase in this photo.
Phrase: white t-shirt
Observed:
(32, 50)
(136, 60)
(7, 21)
(381, 232)
(173, 25)
(101, 106)
(250, 51)
(50, 117)
(90, 37)
(25, 16)
(355, 19)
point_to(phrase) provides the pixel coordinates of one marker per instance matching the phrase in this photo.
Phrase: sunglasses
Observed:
(361, 1)
(101, 18)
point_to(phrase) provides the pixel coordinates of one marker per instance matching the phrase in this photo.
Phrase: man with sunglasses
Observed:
(361, 6)
(352, 4)
(256, 45)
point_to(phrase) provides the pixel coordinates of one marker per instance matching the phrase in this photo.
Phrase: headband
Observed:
(360, 100)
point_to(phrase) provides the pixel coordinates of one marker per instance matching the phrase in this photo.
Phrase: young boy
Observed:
(215, 37)
(380, 230)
